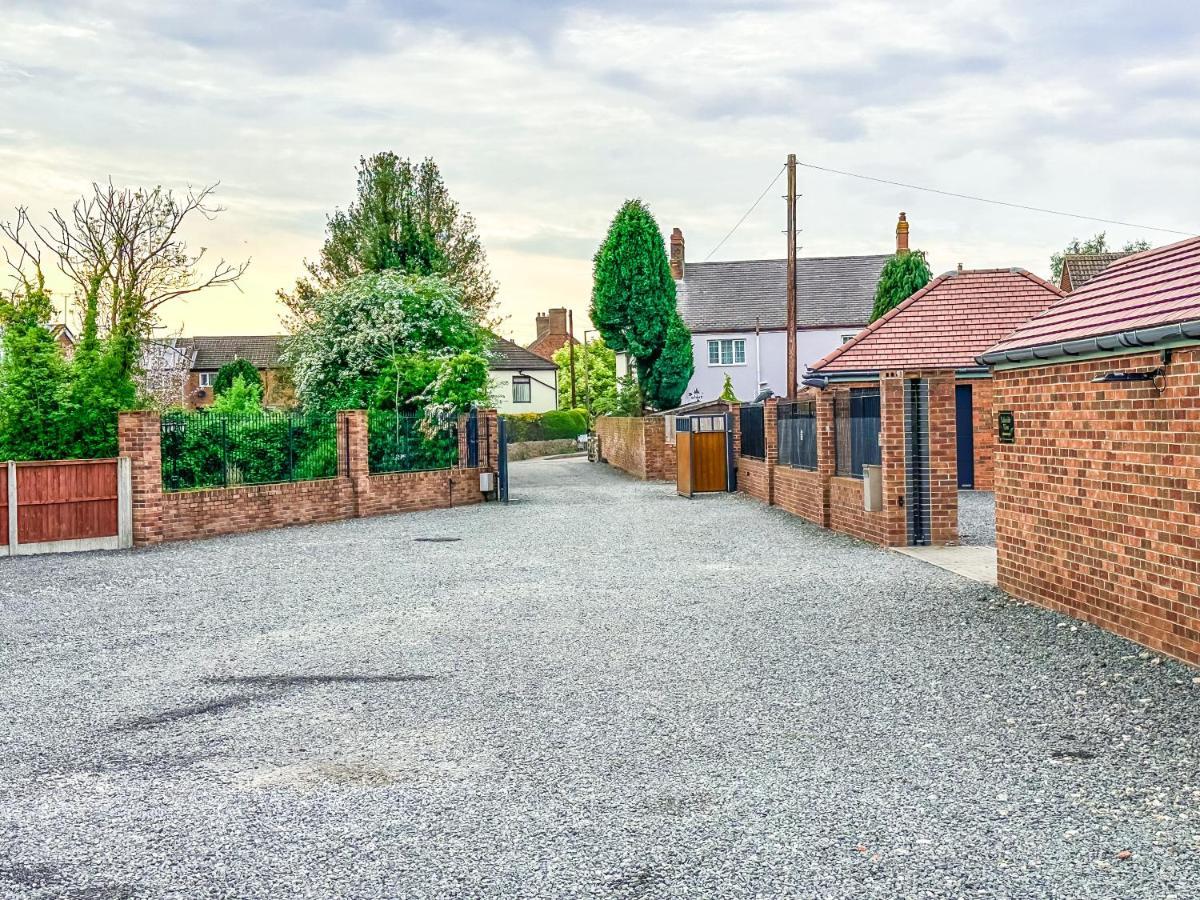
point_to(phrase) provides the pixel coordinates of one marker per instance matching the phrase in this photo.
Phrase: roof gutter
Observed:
(1124, 341)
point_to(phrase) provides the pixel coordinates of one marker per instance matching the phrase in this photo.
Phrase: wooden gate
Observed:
(702, 452)
(63, 505)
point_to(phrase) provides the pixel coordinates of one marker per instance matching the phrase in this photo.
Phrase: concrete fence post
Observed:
(12, 508)
(124, 503)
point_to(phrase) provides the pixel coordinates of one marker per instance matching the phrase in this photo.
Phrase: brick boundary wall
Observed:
(637, 446)
(984, 424)
(160, 515)
(1098, 499)
(836, 502)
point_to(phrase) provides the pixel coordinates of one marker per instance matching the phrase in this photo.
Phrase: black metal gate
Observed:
(916, 453)
(502, 459)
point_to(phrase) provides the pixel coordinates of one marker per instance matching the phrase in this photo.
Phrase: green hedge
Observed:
(559, 424)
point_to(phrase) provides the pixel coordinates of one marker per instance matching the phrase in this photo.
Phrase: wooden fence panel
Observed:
(3, 506)
(66, 500)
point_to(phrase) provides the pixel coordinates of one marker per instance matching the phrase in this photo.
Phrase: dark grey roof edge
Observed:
(506, 355)
(1135, 339)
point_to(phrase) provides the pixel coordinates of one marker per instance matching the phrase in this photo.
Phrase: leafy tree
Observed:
(902, 276)
(382, 339)
(595, 376)
(404, 219)
(98, 389)
(1098, 243)
(633, 304)
(32, 375)
(241, 396)
(629, 398)
(727, 393)
(231, 370)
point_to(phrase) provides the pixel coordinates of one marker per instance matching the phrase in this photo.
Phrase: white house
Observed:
(737, 314)
(521, 381)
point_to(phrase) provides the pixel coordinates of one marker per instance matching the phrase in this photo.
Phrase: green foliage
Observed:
(404, 442)
(98, 389)
(669, 375)
(595, 376)
(217, 449)
(403, 219)
(902, 276)
(1098, 243)
(231, 370)
(242, 396)
(460, 383)
(33, 377)
(629, 398)
(727, 393)
(633, 304)
(557, 424)
(384, 340)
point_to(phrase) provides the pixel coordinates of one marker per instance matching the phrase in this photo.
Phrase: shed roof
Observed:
(831, 291)
(507, 355)
(946, 324)
(1149, 289)
(1080, 268)
(213, 351)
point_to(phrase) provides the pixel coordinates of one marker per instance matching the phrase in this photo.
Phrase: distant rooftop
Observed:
(831, 292)
(1080, 268)
(507, 355)
(946, 324)
(211, 352)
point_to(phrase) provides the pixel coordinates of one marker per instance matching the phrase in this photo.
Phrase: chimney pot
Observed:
(902, 235)
(960, 268)
(677, 256)
(543, 325)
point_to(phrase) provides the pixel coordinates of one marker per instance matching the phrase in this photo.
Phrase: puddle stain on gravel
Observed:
(43, 875)
(269, 687)
(637, 882)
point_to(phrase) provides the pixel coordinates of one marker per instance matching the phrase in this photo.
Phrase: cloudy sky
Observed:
(545, 116)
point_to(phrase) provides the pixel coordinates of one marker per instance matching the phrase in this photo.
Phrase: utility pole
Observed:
(571, 351)
(792, 385)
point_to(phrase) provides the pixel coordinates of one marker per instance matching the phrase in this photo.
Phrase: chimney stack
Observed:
(902, 235)
(677, 263)
(543, 325)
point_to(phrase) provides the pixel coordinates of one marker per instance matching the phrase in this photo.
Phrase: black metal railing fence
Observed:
(856, 422)
(754, 439)
(411, 442)
(796, 427)
(209, 449)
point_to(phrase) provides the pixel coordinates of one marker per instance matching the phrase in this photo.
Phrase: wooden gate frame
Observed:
(685, 463)
(122, 540)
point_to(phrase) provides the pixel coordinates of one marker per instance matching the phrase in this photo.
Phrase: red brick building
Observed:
(1098, 466)
(553, 333)
(906, 394)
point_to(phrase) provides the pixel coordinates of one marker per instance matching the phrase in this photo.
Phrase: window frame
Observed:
(736, 348)
(207, 379)
(526, 382)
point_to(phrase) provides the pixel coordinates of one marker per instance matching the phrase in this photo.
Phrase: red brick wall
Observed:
(177, 515)
(943, 459)
(801, 492)
(637, 446)
(277, 389)
(1098, 500)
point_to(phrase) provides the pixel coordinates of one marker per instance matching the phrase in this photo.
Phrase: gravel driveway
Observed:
(602, 690)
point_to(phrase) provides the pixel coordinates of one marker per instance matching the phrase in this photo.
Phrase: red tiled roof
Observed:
(547, 344)
(946, 324)
(1154, 287)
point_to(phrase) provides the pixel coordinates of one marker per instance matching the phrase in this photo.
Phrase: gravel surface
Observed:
(977, 518)
(603, 690)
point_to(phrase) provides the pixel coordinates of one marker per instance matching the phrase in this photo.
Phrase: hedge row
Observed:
(559, 424)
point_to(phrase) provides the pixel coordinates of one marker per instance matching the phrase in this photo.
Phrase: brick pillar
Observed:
(771, 444)
(891, 448)
(735, 411)
(139, 439)
(943, 459)
(352, 440)
(826, 449)
(489, 440)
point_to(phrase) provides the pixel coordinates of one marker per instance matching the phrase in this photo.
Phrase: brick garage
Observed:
(637, 446)
(160, 515)
(1098, 495)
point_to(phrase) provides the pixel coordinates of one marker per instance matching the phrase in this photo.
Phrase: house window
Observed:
(522, 389)
(846, 338)
(207, 379)
(727, 352)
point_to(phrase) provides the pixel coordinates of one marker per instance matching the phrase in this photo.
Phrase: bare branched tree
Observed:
(129, 238)
(165, 365)
(24, 254)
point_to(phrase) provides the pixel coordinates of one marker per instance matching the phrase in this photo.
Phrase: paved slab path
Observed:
(602, 690)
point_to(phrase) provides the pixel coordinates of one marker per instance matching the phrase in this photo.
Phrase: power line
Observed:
(747, 213)
(917, 187)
